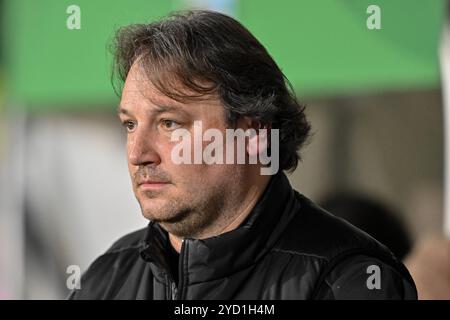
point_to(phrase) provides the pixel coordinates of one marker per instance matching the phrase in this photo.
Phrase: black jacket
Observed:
(287, 248)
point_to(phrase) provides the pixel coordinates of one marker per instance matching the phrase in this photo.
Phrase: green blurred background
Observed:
(324, 47)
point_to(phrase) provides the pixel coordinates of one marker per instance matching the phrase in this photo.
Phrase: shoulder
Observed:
(314, 231)
(365, 277)
(102, 276)
(341, 256)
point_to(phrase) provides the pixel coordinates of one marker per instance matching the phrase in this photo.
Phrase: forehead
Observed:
(139, 93)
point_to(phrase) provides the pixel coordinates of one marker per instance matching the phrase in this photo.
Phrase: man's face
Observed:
(183, 198)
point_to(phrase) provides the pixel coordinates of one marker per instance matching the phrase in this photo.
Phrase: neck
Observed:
(232, 219)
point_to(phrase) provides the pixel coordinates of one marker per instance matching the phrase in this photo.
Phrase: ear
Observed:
(257, 143)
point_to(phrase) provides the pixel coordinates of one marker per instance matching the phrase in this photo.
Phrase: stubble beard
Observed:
(186, 217)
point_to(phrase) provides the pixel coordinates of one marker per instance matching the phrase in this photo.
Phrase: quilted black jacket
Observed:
(287, 248)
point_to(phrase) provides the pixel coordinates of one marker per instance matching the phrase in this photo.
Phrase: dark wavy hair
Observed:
(211, 53)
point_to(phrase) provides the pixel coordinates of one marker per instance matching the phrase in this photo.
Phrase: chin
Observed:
(158, 210)
(154, 214)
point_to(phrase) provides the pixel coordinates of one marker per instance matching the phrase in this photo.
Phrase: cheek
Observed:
(129, 145)
(131, 170)
(165, 148)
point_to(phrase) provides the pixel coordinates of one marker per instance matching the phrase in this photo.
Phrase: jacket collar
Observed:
(223, 255)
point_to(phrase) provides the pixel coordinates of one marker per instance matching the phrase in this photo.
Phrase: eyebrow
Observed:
(158, 109)
(121, 110)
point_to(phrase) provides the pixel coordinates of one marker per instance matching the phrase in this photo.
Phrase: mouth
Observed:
(149, 184)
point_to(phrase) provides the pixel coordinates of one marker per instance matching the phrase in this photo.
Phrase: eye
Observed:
(169, 124)
(129, 125)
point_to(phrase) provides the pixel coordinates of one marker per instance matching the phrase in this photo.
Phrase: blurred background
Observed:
(376, 98)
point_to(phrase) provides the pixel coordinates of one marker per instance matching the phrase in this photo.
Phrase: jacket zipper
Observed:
(179, 290)
(171, 288)
(173, 292)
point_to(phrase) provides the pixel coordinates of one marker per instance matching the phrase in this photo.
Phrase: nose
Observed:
(141, 149)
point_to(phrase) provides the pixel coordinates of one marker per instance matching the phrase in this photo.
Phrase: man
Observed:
(222, 229)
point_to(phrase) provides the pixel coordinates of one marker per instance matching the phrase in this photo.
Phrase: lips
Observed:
(152, 184)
